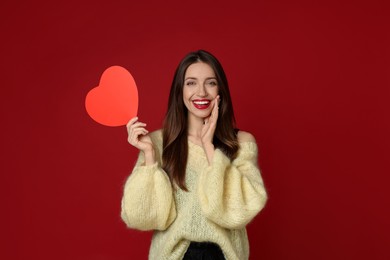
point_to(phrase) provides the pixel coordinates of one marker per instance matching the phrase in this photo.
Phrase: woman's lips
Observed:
(201, 103)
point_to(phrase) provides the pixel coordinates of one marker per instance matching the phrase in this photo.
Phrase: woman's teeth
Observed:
(201, 102)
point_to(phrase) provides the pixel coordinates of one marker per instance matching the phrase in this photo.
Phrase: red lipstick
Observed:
(201, 103)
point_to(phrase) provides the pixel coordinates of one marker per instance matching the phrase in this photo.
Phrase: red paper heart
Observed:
(115, 101)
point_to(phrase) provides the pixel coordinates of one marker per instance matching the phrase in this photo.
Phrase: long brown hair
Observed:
(175, 136)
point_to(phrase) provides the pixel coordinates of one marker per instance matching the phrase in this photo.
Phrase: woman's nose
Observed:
(202, 91)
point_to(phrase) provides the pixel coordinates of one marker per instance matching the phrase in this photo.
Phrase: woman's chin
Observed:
(200, 114)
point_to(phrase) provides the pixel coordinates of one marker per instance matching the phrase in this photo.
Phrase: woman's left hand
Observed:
(210, 123)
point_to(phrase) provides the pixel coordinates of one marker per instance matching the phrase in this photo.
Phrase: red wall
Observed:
(310, 79)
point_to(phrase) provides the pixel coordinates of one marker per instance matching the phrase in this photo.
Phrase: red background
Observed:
(310, 79)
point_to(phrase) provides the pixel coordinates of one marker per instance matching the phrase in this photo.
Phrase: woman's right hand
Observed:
(138, 135)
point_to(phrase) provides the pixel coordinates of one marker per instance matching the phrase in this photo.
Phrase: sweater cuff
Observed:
(147, 169)
(218, 166)
(219, 159)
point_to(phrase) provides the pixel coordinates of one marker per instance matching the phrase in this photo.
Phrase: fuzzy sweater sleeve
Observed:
(147, 202)
(232, 193)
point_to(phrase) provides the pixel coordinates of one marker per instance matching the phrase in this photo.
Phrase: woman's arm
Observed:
(232, 193)
(147, 201)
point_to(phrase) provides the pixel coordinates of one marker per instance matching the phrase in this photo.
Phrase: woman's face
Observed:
(199, 90)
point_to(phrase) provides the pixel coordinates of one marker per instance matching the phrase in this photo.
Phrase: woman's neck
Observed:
(195, 125)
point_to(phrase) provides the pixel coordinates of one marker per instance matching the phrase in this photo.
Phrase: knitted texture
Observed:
(222, 199)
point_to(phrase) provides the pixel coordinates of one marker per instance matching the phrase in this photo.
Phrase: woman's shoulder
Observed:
(248, 145)
(245, 137)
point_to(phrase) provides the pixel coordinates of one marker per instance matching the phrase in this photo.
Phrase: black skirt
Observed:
(203, 251)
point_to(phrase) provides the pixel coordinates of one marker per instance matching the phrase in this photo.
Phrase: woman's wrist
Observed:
(208, 145)
(209, 150)
(149, 156)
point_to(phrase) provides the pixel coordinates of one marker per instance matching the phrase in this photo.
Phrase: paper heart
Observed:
(115, 100)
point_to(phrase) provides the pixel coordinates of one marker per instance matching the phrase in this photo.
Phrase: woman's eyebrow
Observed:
(197, 78)
(190, 78)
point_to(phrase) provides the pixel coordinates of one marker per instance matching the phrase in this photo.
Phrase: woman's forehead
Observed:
(199, 70)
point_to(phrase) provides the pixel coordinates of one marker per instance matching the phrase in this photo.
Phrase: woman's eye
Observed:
(213, 83)
(190, 83)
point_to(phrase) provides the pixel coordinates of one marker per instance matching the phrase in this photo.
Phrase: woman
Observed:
(196, 182)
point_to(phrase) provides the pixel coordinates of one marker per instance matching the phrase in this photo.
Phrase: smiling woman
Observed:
(200, 90)
(196, 182)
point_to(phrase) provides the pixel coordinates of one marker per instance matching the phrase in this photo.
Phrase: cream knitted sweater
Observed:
(222, 199)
